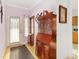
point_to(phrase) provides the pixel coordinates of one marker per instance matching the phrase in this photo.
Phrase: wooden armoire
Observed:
(46, 36)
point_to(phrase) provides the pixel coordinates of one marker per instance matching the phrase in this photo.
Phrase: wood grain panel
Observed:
(75, 37)
(75, 20)
(75, 33)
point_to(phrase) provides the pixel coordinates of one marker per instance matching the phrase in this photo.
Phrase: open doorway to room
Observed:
(31, 31)
(75, 36)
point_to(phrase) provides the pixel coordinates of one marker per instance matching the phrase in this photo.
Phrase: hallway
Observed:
(19, 53)
(38, 29)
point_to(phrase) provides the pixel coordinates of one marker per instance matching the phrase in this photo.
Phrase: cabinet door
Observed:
(75, 26)
(75, 37)
(75, 21)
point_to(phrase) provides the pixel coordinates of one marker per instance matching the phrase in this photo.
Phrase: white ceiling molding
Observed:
(27, 4)
(17, 6)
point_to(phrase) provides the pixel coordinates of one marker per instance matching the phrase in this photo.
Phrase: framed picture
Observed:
(62, 14)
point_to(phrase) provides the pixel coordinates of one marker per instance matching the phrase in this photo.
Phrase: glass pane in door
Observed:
(14, 29)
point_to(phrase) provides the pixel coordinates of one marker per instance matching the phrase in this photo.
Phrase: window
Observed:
(26, 26)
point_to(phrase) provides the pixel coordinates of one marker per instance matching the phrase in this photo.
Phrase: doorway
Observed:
(75, 36)
(14, 30)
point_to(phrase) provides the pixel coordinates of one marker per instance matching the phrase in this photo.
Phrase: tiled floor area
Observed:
(75, 51)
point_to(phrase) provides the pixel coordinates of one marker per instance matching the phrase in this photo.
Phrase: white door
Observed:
(14, 29)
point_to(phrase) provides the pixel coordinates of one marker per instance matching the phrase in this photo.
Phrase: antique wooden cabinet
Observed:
(46, 37)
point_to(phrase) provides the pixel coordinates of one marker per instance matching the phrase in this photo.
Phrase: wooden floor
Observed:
(7, 54)
(20, 52)
(32, 50)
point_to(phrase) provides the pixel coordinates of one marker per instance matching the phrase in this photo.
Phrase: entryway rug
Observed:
(20, 52)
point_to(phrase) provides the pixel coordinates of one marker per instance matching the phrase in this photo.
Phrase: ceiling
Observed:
(28, 4)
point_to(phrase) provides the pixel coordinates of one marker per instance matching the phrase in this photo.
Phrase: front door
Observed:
(14, 30)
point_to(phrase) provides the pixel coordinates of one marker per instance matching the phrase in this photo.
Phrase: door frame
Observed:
(21, 22)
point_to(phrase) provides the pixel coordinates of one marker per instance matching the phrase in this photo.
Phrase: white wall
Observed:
(2, 39)
(2, 36)
(75, 12)
(75, 7)
(64, 32)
